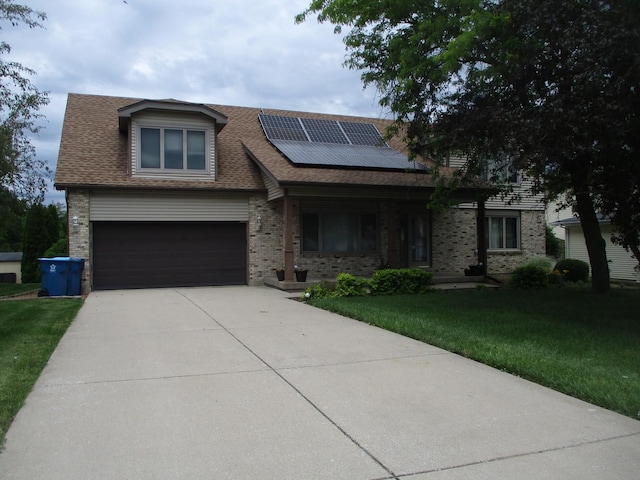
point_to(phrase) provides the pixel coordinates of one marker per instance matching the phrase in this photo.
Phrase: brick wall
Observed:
(266, 243)
(80, 236)
(454, 242)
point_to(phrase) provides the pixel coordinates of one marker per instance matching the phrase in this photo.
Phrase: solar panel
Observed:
(329, 143)
(363, 134)
(326, 131)
(283, 128)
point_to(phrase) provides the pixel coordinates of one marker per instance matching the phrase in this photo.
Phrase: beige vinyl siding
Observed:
(526, 202)
(621, 262)
(273, 190)
(12, 267)
(168, 207)
(177, 120)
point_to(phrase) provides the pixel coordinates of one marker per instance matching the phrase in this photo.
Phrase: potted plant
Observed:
(280, 274)
(301, 274)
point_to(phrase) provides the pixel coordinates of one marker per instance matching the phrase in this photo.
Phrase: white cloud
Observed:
(244, 52)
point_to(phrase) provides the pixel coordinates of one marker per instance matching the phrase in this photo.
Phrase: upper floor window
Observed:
(163, 148)
(500, 169)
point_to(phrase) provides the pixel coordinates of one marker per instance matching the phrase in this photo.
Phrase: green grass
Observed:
(29, 332)
(8, 289)
(568, 339)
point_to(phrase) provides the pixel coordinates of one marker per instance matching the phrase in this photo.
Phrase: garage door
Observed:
(168, 254)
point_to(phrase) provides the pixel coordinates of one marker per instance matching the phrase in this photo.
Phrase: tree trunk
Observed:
(596, 246)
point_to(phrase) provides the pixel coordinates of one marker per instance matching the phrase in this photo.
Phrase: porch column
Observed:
(288, 238)
(481, 237)
(393, 257)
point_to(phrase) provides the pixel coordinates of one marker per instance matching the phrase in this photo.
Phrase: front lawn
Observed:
(29, 333)
(568, 339)
(8, 289)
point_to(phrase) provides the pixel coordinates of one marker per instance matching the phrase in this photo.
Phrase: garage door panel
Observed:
(169, 254)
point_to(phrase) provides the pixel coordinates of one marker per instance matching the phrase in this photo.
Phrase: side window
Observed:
(503, 232)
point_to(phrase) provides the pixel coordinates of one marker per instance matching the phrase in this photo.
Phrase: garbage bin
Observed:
(61, 275)
(74, 283)
(55, 273)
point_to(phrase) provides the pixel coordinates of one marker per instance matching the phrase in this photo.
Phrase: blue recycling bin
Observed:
(61, 275)
(74, 281)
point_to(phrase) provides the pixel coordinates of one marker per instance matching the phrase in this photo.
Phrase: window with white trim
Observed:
(502, 231)
(172, 149)
(500, 169)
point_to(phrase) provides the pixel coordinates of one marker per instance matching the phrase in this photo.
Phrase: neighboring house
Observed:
(555, 213)
(167, 193)
(10, 267)
(621, 262)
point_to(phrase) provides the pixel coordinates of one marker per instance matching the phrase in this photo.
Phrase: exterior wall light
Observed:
(259, 223)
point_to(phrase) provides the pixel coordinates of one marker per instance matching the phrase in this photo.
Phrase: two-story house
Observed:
(164, 193)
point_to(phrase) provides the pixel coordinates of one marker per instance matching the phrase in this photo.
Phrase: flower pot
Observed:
(280, 275)
(301, 275)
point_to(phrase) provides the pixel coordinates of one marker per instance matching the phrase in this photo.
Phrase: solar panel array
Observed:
(320, 142)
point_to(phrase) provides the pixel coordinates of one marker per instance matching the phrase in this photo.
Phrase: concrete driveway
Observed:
(244, 383)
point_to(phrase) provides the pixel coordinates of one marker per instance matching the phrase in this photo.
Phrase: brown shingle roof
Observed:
(93, 152)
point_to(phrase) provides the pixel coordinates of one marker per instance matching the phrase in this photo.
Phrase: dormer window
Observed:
(172, 139)
(173, 149)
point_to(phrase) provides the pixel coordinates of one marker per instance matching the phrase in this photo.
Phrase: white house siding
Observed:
(621, 262)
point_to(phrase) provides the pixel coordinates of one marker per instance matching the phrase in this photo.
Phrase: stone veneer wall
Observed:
(454, 242)
(80, 236)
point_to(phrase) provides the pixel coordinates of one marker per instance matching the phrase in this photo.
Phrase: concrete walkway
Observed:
(244, 383)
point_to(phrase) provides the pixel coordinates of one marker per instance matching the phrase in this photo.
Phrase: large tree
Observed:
(20, 101)
(550, 85)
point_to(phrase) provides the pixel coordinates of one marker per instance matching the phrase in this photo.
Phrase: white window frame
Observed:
(503, 215)
(162, 167)
(500, 171)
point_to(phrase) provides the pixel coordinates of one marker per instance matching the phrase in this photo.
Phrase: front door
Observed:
(419, 240)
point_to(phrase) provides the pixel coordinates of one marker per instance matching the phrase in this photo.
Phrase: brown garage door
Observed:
(168, 254)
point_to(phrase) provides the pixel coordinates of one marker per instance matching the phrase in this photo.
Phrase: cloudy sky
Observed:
(228, 52)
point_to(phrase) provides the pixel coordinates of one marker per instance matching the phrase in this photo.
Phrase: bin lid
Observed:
(61, 259)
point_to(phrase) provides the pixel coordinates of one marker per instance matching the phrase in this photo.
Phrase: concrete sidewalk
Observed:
(244, 383)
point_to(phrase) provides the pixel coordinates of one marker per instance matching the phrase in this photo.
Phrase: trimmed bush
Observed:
(573, 270)
(540, 262)
(402, 280)
(348, 285)
(529, 276)
(321, 290)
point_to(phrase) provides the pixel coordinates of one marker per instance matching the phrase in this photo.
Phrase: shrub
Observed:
(321, 290)
(540, 261)
(552, 245)
(348, 285)
(403, 280)
(58, 249)
(573, 270)
(529, 276)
